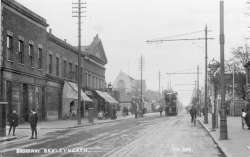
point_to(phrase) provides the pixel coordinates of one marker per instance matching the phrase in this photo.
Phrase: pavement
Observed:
(238, 143)
(44, 127)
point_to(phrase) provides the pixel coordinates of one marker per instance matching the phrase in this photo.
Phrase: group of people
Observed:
(13, 122)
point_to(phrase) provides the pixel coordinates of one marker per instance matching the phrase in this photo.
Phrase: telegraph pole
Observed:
(78, 11)
(223, 116)
(205, 101)
(159, 85)
(141, 66)
(198, 94)
(233, 88)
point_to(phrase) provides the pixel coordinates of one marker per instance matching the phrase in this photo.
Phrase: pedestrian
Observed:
(13, 121)
(33, 123)
(161, 109)
(247, 118)
(243, 116)
(193, 113)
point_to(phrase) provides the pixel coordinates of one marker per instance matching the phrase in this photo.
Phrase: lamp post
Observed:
(213, 66)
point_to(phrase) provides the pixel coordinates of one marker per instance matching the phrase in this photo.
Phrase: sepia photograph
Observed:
(124, 78)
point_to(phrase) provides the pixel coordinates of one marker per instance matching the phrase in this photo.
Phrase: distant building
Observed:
(128, 87)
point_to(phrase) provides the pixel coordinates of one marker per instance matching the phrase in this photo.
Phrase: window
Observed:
(40, 58)
(64, 68)
(93, 82)
(76, 72)
(20, 51)
(57, 66)
(81, 75)
(89, 80)
(31, 55)
(70, 70)
(9, 47)
(50, 63)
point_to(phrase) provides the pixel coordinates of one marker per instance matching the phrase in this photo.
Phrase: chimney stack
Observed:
(50, 31)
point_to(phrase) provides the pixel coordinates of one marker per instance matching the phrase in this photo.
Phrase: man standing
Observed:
(33, 123)
(13, 121)
(161, 109)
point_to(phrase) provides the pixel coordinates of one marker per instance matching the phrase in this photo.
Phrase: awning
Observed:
(107, 97)
(70, 90)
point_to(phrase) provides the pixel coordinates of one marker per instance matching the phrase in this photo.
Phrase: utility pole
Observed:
(198, 90)
(141, 66)
(205, 101)
(77, 9)
(233, 89)
(223, 116)
(246, 62)
(159, 85)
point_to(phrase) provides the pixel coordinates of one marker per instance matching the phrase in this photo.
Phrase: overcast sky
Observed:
(124, 25)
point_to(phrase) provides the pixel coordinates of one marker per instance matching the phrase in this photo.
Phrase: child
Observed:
(243, 116)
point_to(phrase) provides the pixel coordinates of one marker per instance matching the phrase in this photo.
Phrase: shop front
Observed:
(23, 94)
(106, 103)
(70, 97)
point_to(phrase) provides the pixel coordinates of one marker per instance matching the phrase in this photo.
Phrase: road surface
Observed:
(152, 136)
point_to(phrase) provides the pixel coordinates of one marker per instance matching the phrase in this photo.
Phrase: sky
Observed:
(125, 25)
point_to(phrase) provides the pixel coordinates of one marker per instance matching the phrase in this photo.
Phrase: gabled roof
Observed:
(95, 50)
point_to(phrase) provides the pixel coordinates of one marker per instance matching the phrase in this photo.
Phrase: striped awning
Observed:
(70, 90)
(107, 97)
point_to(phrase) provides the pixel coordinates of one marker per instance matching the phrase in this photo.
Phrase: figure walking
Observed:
(193, 114)
(243, 116)
(161, 109)
(33, 123)
(13, 121)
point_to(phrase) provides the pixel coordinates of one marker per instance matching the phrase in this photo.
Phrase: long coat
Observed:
(13, 119)
(33, 119)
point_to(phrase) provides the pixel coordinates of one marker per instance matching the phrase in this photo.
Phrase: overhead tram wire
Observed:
(179, 35)
(170, 38)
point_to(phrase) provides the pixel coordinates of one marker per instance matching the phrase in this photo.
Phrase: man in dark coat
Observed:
(13, 121)
(33, 123)
(193, 113)
(247, 117)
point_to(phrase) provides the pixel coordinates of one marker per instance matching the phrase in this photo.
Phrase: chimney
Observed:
(65, 40)
(50, 31)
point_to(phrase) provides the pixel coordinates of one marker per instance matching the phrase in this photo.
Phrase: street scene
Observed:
(134, 78)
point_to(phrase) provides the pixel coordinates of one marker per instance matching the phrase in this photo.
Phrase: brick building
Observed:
(39, 69)
(23, 63)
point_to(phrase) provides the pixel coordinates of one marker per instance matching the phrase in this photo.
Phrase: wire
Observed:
(184, 39)
(179, 35)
